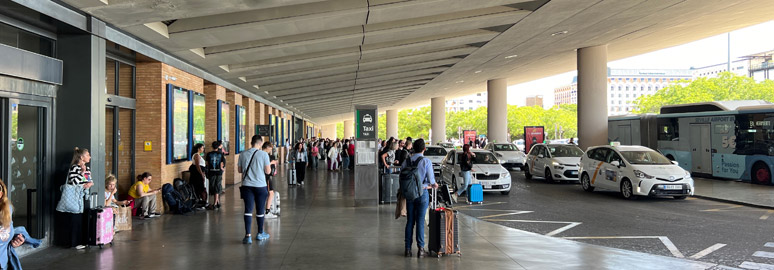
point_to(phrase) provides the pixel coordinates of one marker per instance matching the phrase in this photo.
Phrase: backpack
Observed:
(187, 193)
(411, 181)
(174, 200)
(213, 161)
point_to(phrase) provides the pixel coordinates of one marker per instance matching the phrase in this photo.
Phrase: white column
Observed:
(392, 123)
(592, 96)
(329, 131)
(438, 119)
(349, 129)
(497, 110)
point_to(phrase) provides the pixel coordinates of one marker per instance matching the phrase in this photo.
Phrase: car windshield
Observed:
(647, 157)
(435, 151)
(505, 147)
(485, 158)
(445, 145)
(565, 151)
(519, 142)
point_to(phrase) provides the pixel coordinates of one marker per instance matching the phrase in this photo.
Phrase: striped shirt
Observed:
(76, 177)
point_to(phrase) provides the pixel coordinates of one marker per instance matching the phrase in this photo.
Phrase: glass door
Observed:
(27, 122)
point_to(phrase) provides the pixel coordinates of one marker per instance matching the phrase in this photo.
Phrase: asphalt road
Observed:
(709, 231)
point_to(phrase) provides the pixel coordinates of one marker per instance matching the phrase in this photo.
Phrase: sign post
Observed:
(366, 167)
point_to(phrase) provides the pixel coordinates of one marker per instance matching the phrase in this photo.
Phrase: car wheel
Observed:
(586, 183)
(761, 174)
(680, 197)
(526, 173)
(549, 177)
(627, 190)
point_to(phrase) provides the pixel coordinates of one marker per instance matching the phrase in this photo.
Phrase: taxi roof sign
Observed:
(615, 143)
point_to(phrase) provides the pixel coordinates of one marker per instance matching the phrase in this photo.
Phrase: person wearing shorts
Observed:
(216, 163)
(268, 147)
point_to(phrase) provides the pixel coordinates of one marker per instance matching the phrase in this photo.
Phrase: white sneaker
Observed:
(270, 215)
(80, 247)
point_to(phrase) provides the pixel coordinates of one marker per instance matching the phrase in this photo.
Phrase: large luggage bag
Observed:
(443, 230)
(292, 181)
(475, 194)
(100, 226)
(390, 183)
(275, 204)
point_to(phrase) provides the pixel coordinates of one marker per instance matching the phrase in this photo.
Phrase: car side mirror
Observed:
(540, 156)
(675, 162)
(615, 163)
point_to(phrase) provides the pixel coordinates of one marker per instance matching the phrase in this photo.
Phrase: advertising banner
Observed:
(468, 136)
(533, 135)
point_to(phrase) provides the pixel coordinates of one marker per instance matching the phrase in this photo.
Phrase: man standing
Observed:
(216, 163)
(415, 210)
(253, 165)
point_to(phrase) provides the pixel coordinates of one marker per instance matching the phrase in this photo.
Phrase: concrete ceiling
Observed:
(323, 57)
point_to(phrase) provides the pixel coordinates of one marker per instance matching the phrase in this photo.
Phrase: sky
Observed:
(700, 53)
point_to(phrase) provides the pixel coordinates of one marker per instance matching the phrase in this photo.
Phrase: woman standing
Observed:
(197, 171)
(344, 155)
(69, 231)
(315, 155)
(466, 164)
(333, 156)
(300, 159)
(10, 238)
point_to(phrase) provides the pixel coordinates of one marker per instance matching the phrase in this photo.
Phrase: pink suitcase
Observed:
(100, 226)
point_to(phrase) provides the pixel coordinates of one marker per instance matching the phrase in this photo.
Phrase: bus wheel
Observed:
(761, 174)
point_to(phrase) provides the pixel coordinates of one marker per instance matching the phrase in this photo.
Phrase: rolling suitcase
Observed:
(475, 194)
(100, 226)
(275, 204)
(389, 188)
(292, 175)
(443, 230)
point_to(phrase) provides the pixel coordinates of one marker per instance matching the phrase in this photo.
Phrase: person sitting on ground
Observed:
(144, 196)
(267, 147)
(111, 189)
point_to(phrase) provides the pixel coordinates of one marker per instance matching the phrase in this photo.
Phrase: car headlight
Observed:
(641, 174)
(687, 174)
(557, 165)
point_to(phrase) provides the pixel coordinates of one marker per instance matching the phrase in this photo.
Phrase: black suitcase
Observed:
(439, 230)
(388, 190)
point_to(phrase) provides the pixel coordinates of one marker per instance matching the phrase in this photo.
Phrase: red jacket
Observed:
(351, 150)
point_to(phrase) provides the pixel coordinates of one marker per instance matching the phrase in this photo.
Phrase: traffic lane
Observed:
(692, 225)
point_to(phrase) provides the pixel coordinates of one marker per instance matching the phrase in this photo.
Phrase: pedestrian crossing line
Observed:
(769, 244)
(707, 251)
(764, 254)
(664, 240)
(758, 266)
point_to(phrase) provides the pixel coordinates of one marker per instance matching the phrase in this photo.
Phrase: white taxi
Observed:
(634, 171)
(554, 162)
(435, 154)
(487, 171)
(509, 155)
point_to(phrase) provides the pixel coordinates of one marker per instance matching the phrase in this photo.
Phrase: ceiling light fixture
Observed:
(274, 96)
(511, 56)
(267, 92)
(477, 71)
(559, 33)
(460, 81)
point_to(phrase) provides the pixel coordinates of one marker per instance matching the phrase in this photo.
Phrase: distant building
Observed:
(761, 66)
(626, 85)
(535, 101)
(470, 102)
(739, 67)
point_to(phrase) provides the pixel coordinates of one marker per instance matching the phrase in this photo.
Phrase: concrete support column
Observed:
(497, 110)
(349, 129)
(329, 131)
(592, 96)
(392, 123)
(438, 119)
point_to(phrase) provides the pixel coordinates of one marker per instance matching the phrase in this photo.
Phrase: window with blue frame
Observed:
(198, 116)
(282, 130)
(185, 122)
(223, 130)
(241, 128)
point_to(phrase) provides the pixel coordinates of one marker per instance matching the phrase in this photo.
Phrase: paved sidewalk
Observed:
(735, 191)
(321, 229)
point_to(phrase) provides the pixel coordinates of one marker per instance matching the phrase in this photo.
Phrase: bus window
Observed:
(668, 129)
(755, 134)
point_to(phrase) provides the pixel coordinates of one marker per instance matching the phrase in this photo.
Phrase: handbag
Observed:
(72, 199)
(123, 218)
(400, 207)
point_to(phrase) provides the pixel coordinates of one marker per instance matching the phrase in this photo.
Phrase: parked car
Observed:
(436, 154)
(634, 171)
(508, 154)
(554, 162)
(446, 145)
(519, 144)
(487, 171)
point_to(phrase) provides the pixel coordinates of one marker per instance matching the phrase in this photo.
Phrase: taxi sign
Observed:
(615, 143)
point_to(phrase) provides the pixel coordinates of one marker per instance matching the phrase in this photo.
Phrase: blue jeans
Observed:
(345, 162)
(254, 196)
(465, 182)
(415, 216)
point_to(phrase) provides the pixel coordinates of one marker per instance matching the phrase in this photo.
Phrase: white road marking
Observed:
(484, 204)
(766, 216)
(769, 244)
(569, 225)
(665, 240)
(753, 265)
(764, 254)
(707, 251)
(562, 229)
(506, 214)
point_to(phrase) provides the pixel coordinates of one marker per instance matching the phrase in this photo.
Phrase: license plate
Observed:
(487, 186)
(671, 187)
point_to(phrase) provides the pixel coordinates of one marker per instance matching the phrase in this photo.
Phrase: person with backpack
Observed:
(253, 165)
(216, 164)
(415, 179)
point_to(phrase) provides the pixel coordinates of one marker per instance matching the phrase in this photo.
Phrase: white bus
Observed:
(727, 139)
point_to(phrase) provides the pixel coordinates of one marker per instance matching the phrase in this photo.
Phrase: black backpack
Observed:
(174, 200)
(410, 180)
(186, 191)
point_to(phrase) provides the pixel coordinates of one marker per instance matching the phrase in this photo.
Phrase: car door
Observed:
(594, 166)
(611, 176)
(540, 161)
(446, 166)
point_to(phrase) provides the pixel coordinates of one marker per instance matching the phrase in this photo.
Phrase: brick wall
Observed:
(212, 93)
(231, 174)
(152, 80)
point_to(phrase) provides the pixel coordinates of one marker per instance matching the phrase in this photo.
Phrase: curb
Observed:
(734, 202)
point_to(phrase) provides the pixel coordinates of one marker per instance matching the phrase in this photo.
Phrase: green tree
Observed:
(382, 126)
(727, 86)
(414, 123)
(339, 130)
